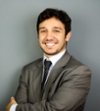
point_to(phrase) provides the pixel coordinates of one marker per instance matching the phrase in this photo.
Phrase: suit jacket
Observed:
(66, 89)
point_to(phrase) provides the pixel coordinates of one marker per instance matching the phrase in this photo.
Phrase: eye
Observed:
(42, 31)
(56, 31)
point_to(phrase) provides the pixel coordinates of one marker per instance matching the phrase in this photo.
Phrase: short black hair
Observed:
(59, 14)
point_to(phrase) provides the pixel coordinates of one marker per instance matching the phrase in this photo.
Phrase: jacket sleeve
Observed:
(72, 93)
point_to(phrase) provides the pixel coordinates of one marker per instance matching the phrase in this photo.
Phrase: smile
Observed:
(50, 44)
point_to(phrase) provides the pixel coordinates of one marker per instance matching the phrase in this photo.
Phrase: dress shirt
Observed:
(53, 59)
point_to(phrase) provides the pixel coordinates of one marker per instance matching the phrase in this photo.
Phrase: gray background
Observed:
(19, 45)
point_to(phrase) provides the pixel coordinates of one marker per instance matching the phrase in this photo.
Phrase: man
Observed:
(67, 81)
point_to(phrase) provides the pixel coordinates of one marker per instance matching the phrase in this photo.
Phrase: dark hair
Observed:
(59, 14)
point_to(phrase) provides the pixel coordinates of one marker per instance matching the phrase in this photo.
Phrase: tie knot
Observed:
(47, 64)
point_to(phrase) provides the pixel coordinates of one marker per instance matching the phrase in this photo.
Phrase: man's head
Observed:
(58, 14)
(54, 31)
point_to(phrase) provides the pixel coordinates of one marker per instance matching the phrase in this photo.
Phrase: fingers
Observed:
(12, 98)
(12, 101)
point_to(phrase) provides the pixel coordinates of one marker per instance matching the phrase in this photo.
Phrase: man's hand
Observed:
(12, 101)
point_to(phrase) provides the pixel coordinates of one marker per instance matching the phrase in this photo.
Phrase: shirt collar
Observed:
(54, 58)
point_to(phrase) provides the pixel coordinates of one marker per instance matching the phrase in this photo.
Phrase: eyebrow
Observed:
(55, 27)
(41, 28)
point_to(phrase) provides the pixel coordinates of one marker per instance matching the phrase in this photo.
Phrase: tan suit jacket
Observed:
(66, 89)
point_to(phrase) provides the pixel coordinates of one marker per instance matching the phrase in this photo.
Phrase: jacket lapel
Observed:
(37, 81)
(57, 69)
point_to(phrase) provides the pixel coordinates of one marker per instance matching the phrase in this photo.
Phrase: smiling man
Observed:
(56, 82)
(52, 37)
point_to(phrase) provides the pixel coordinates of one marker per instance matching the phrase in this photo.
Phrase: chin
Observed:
(50, 53)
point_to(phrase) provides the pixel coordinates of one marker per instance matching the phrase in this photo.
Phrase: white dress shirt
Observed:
(53, 59)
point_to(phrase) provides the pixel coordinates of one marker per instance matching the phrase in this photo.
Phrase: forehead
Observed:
(51, 22)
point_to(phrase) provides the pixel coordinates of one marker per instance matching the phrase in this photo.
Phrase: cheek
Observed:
(62, 40)
(41, 37)
(41, 41)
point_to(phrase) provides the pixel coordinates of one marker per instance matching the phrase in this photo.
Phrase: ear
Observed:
(68, 36)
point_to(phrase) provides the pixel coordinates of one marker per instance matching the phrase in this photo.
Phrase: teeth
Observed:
(50, 44)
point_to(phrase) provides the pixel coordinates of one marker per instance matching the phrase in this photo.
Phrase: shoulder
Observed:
(33, 64)
(28, 69)
(76, 66)
(73, 62)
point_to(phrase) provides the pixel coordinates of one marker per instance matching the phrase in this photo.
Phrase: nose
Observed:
(49, 36)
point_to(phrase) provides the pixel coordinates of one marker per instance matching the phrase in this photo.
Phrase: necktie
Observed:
(47, 65)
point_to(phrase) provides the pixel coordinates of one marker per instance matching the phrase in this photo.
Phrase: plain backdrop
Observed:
(19, 43)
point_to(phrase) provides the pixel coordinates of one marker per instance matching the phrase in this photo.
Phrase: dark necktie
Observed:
(47, 65)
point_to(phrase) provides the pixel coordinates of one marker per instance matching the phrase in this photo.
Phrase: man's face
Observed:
(52, 38)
